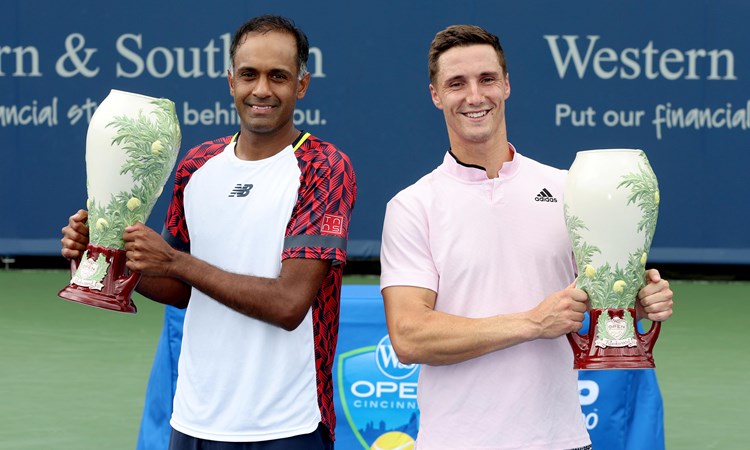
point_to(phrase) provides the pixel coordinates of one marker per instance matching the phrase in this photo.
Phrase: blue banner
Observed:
(667, 76)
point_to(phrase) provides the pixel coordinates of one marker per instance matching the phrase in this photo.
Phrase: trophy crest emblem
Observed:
(91, 272)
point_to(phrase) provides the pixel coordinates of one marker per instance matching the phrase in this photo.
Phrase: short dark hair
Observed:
(266, 24)
(462, 36)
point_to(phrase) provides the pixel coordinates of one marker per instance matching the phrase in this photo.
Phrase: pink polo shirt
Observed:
(487, 247)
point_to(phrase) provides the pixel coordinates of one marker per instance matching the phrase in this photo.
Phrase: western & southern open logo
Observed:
(379, 396)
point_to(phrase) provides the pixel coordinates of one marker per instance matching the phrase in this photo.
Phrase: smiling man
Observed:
(254, 246)
(477, 276)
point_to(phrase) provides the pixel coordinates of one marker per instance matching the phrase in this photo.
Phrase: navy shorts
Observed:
(317, 440)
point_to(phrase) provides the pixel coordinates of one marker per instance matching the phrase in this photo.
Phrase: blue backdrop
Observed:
(670, 77)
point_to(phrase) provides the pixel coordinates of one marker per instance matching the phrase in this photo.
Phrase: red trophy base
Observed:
(109, 287)
(594, 351)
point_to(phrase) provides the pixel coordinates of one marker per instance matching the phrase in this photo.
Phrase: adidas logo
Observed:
(241, 190)
(545, 196)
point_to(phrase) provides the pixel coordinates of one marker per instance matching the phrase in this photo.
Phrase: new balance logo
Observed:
(241, 190)
(545, 196)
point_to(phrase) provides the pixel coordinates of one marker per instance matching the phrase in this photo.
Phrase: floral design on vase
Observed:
(152, 143)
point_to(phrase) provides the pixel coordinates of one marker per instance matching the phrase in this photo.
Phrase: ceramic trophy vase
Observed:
(131, 148)
(611, 205)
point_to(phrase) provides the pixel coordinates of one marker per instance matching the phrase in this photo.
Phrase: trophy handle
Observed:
(127, 284)
(579, 343)
(649, 338)
(74, 266)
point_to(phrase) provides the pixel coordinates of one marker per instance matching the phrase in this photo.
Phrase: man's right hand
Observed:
(75, 235)
(561, 312)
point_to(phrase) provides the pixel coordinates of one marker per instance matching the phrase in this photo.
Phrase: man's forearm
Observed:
(169, 291)
(282, 301)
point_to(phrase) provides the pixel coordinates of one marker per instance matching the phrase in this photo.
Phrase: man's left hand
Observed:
(147, 252)
(655, 299)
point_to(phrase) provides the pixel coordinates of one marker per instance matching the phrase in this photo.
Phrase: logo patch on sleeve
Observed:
(332, 225)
